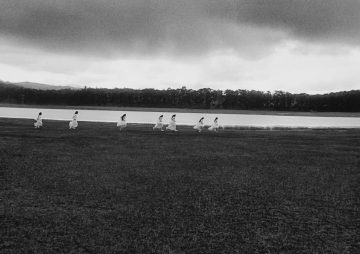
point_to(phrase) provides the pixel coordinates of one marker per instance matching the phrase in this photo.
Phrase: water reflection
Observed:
(184, 118)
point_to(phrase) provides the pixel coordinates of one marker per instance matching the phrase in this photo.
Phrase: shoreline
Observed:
(187, 128)
(187, 110)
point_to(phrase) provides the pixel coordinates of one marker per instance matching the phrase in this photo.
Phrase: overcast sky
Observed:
(308, 46)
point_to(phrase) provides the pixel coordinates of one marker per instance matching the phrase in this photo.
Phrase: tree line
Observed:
(206, 98)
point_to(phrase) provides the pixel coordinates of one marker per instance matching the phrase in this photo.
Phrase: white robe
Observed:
(121, 123)
(159, 124)
(73, 124)
(172, 125)
(199, 126)
(214, 126)
(38, 122)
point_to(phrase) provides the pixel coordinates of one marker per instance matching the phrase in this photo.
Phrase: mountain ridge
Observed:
(41, 86)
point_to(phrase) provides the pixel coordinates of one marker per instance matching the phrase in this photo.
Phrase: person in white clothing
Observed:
(200, 125)
(159, 124)
(172, 124)
(38, 122)
(122, 123)
(214, 126)
(73, 123)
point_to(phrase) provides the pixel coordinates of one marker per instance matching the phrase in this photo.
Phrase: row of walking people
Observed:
(122, 124)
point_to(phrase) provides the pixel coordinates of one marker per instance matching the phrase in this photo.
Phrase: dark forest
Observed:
(346, 101)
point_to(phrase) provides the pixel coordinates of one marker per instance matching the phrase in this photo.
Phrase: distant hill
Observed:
(39, 86)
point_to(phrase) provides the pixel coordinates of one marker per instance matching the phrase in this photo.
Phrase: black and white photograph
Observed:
(180, 126)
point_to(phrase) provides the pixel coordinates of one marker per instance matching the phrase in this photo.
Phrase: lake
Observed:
(185, 118)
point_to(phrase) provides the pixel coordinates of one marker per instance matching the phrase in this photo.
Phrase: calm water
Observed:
(184, 118)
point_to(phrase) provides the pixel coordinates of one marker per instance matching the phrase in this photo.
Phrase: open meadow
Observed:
(99, 190)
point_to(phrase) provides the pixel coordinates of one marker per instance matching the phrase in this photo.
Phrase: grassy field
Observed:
(98, 190)
(188, 110)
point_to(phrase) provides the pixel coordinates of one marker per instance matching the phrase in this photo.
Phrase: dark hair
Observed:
(40, 113)
(216, 118)
(201, 119)
(173, 115)
(161, 116)
(76, 112)
(122, 117)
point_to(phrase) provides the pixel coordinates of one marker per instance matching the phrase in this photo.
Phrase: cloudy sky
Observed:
(308, 46)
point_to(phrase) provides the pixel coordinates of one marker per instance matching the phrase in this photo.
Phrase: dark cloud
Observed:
(322, 20)
(179, 27)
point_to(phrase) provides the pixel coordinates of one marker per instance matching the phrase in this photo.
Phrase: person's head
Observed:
(202, 118)
(40, 114)
(173, 116)
(216, 119)
(76, 112)
(162, 116)
(123, 116)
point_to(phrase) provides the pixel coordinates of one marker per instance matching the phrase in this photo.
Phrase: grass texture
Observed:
(99, 190)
